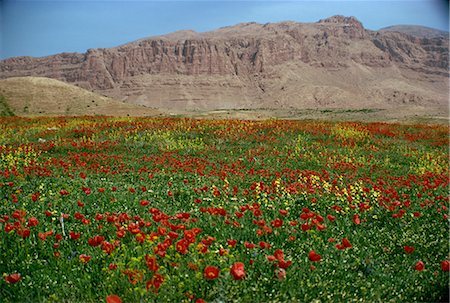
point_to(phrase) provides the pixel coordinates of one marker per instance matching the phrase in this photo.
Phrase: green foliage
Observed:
(5, 110)
(113, 189)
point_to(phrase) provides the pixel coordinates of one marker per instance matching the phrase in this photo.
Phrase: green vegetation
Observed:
(184, 210)
(5, 110)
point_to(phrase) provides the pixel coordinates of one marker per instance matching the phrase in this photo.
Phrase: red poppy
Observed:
(305, 226)
(113, 299)
(107, 247)
(270, 258)
(35, 197)
(346, 243)
(257, 212)
(182, 246)
(356, 219)
(144, 202)
(331, 218)
(8, 227)
(249, 245)
(134, 276)
(85, 258)
(445, 265)
(32, 222)
(283, 212)
(237, 271)
(63, 192)
(155, 282)
(313, 256)
(173, 235)
(408, 249)
(420, 266)
(279, 255)
(280, 274)
(74, 235)
(13, 278)
(284, 264)
(211, 272)
(120, 233)
(277, 223)
(264, 245)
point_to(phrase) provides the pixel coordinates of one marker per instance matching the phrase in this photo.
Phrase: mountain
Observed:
(416, 30)
(332, 63)
(43, 96)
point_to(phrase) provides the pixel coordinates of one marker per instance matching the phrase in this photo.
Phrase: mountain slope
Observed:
(416, 30)
(44, 96)
(333, 63)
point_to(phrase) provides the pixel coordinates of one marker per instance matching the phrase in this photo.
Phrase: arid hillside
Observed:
(34, 96)
(334, 63)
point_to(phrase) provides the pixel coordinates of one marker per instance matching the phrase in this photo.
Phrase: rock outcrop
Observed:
(332, 63)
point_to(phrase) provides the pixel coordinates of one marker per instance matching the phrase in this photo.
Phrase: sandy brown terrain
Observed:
(34, 96)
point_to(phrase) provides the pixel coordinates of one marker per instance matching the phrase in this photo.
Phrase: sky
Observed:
(40, 28)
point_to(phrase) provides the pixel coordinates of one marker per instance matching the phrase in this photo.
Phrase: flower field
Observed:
(98, 209)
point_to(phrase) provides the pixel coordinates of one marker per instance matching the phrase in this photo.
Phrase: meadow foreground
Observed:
(184, 210)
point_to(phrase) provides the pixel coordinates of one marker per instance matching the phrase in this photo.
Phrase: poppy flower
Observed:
(283, 212)
(211, 272)
(277, 223)
(74, 235)
(280, 274)
(346, 243)
(85, 258)
(155, 282)
(408, 249)
(113, 299)
(237, 271)
(305, 226)
(284, 264)
(279, 255)
(356, 219)
(13, 278)
(420, 266)
(264, 245)
(445, 265)
(232, 242)
(313, 256)
(32, 222)
(270, 258)
(134, 276)
(182, 246)
(249, 245)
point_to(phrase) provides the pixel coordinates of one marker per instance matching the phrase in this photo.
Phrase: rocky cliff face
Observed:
(332, 63)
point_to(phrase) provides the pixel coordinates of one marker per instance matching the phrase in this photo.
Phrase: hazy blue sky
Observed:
(39, 28)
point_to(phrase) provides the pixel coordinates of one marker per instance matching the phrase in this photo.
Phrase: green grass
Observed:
(381, 186)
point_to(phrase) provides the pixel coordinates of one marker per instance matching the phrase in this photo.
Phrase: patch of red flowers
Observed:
(420, 266)
(13, 278)
(211, 273)
(313, 256)
(408, 249)
(113, 299)
(237, 271)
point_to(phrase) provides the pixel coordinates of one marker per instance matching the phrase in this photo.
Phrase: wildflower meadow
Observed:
(103, 209)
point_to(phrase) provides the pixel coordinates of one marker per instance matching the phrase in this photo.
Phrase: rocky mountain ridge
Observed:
(334, 62)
